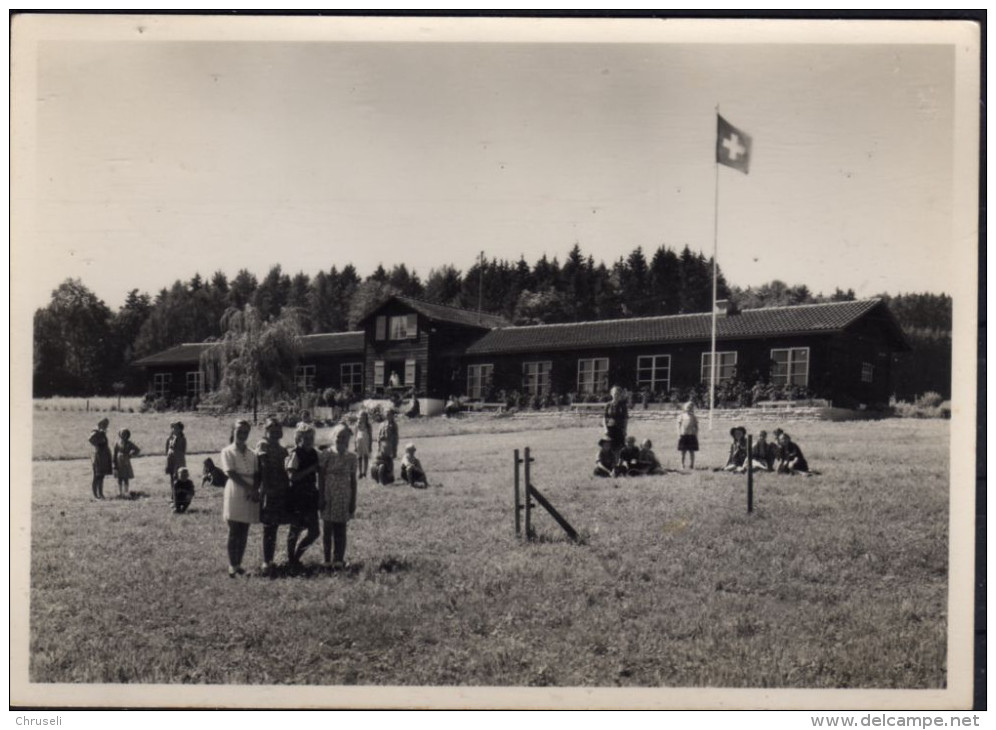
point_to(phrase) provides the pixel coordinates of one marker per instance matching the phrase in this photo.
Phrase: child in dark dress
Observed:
(629, 458)
(303, 497)
(605, 462)
(647, 462)
(792, 461)
(183, 490)
(212, 476)
(763, 454)
(737, 462)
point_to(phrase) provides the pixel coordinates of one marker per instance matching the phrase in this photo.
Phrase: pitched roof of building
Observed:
(772, 321)
(186, 354)
(189, 353)
(445, 313)
(336, 343)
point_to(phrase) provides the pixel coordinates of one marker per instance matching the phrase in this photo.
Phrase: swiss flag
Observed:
(732, 146)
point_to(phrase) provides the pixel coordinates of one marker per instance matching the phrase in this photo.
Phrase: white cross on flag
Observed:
(732, 146)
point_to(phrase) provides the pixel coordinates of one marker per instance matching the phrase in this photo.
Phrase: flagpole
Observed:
(715, 259)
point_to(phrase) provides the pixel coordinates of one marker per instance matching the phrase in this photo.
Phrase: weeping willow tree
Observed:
(254, 360)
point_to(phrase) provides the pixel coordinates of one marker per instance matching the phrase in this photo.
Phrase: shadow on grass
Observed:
(308, 571)
(133, 495)
(562, 538)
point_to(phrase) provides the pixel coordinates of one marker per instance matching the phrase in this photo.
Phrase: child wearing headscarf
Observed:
(124, 449)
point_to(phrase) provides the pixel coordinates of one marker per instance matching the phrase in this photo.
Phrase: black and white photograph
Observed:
(480, 362)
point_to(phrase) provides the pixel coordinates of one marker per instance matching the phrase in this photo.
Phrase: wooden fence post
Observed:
(750, 474)
(529, 525)
(518, 501)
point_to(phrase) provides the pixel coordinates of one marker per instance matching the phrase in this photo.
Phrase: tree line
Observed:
(81, 346)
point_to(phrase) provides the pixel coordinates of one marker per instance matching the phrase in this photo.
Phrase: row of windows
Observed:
(790, 367)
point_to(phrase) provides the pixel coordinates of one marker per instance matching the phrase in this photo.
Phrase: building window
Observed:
(378, 374)
(726, 367)
(410, 373)
(536, 377)
(653, 372)
(790, 366)
(404, 327)
(867, 372)
(381, 328)
(194, 384)
(161, 384)
(593, 375)
(304, 377)
(351, 376)
(479, 380)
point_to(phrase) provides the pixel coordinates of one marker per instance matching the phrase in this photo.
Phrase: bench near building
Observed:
(842, 351)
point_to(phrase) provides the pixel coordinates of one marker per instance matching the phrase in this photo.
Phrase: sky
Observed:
(155, 159)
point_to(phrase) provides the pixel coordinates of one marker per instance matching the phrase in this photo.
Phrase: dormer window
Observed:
(396, 327)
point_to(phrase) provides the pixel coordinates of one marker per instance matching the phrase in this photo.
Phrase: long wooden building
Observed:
(841, 351)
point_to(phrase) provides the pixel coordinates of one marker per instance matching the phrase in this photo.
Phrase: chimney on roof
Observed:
(726, 308)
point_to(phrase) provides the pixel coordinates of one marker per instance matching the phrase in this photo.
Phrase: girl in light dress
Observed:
(362, 443)
(124, 449)
(337, 499)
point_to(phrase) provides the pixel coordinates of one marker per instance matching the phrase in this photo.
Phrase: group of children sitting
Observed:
(782, 455)
(630, 461)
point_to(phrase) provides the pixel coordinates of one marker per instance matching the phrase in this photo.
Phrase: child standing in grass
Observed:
(124, 449)
(364, 439)
(176, 451)
(100, 458)
(337, 500)
(302, 502)
(688, 435)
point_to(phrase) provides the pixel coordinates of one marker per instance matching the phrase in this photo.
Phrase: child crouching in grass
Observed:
(606, 463)
(411, 468)
(647, 462)
(337, 499)
(183, 490)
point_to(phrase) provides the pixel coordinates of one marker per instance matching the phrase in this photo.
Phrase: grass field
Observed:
(834, 581)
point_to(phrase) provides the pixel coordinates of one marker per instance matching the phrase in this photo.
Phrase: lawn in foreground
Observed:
(834, 581)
